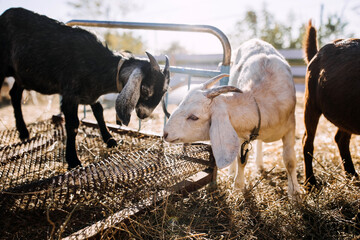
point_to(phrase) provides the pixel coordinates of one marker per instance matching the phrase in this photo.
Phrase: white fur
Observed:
(228, 119)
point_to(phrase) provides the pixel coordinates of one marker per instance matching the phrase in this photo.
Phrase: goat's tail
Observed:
(310, 43)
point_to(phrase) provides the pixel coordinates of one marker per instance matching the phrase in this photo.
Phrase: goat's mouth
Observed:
(143, 112)
(177, 140)
(123, 119)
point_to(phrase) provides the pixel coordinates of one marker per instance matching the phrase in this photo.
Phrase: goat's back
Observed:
(334, 83)
(45, 54)
(33, 31)
(262, 71)
(257, 61)
(243, 59)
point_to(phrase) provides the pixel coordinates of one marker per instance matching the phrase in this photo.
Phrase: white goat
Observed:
(264, 108)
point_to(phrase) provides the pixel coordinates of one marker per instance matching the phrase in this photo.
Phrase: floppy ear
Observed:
(224, 140)
(128, 97)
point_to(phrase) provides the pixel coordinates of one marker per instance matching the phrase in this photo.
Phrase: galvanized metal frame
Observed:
(225, 68)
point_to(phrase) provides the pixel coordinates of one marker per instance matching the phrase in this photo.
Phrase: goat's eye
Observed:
(192, 117)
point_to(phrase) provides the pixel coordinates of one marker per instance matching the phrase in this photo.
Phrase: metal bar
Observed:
(195, 72)
(165, 27)
(189, 82)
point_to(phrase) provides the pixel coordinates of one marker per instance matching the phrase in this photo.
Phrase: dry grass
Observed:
(264, 212)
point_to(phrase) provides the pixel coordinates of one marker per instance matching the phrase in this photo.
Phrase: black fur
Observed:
(49, 57)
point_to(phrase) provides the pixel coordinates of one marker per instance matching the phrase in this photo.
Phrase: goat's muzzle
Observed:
(142, 111)
(122, 120)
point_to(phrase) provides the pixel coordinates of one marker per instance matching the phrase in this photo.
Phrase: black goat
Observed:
(332, 89)
(49, 57)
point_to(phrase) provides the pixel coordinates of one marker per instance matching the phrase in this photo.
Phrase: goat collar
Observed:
(253, 135)
(119, 85)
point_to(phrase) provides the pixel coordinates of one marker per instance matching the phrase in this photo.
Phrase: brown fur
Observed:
(310, 44)
(332, 89)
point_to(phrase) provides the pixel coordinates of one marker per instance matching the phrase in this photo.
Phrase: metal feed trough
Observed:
(40, 199)
(111, 185)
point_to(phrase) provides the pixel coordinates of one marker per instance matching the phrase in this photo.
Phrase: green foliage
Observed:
(125, 41)
(100, 9)
(265, 26)
(107, 9)
(332, 29)
(175, 48)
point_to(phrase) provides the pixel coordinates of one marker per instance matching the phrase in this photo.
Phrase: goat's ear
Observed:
(128, 97)
(224, 139)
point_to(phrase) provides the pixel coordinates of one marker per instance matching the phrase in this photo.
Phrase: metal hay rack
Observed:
(112, 184)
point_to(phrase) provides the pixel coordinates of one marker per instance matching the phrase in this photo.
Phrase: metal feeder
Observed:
(112, 184)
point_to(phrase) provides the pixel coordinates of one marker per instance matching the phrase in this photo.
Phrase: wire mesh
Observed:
(34, 180)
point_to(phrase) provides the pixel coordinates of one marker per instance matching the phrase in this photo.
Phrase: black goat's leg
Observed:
(16, 95)
(342, 139)
(311, 118)
(70, 108)
(98, 112)
(2, 79)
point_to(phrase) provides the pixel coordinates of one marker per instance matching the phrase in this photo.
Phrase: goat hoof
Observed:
(57, 119)
(310, 184)
(24, 135)
(239, 187)
(296, 196)
(312, 187)
(111, 143)
(74, 164)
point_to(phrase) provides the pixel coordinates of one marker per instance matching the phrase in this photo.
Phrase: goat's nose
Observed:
(165, 135)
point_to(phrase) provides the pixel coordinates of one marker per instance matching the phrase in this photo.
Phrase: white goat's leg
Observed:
(239, 181)
(232, 168)
(259, 156)
(289, 159)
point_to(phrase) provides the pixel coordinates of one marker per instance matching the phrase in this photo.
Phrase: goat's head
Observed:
(199, 118)
(143, 91)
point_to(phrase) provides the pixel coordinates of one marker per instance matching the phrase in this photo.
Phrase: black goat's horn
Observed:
(154, 64)
(166, 64)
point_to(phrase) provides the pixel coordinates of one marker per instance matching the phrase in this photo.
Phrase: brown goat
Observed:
(332, 89)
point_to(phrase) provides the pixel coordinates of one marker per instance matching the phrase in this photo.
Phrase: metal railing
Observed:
(225, 67)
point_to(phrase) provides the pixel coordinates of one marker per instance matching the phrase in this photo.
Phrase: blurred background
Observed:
(279, 22)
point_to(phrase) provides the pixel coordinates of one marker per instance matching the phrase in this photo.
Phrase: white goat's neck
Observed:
(275, 109)
(242, 112)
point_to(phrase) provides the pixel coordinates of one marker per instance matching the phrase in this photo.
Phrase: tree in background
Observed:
(124, 42)
(101, 9)
(106, 10)
(263, 25)
(333, 28)
(175, 48)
